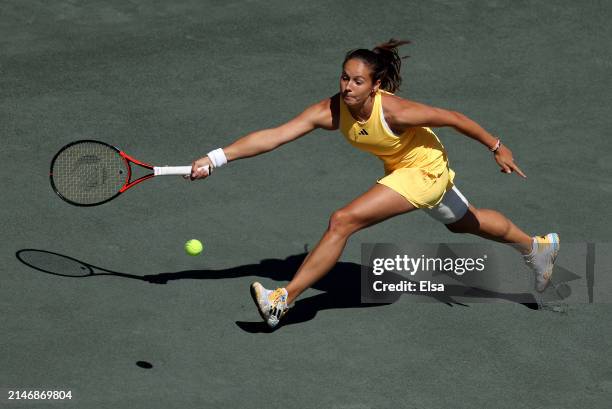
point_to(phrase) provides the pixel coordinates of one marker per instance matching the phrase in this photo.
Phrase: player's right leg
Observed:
(377, 204)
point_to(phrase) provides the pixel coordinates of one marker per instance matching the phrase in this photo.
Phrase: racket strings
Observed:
(89, 172)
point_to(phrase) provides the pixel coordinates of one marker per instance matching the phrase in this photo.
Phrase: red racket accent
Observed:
(136, 161)
(127, 158)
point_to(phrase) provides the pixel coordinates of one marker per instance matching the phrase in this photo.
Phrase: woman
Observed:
(398, 132)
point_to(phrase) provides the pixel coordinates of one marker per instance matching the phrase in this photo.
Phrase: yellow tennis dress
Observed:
(416, 164)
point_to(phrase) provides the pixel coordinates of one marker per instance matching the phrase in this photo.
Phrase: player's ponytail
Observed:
(390, 63)
(384, 61)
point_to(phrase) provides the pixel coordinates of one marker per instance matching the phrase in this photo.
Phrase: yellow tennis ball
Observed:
(193, 247)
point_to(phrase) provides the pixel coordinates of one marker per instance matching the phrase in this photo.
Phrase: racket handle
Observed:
(174, 170)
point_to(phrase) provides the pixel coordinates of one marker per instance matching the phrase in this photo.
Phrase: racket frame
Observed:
(127, 185)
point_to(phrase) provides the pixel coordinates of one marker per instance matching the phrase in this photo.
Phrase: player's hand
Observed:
(503, 157)
(201, 168)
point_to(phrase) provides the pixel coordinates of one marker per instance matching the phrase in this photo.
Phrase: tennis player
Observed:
(417, 173)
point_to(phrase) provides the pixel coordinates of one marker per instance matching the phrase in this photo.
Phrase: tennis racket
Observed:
(89, 173)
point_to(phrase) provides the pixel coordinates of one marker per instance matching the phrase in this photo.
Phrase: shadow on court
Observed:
(340, 287)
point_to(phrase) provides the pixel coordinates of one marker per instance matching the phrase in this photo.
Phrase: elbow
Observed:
(458, 117)
(457, 120)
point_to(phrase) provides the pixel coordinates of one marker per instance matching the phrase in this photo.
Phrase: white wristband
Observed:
(217, 157)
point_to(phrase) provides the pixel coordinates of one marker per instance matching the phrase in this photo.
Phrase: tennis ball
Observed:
(193, 247)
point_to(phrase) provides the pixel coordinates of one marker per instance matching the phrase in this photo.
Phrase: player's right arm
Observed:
(319, 115)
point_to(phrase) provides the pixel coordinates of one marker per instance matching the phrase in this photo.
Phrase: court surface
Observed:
(169, 81)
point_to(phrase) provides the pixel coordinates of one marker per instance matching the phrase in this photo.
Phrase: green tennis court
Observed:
(169, 81)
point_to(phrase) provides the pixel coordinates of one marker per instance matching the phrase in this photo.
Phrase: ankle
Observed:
(291, 295)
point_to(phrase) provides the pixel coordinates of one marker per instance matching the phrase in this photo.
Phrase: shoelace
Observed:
(277, 297)
(278, 304)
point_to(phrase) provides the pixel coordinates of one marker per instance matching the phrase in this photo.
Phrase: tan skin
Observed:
(380, 202)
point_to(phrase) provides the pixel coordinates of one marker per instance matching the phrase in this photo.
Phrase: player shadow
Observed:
(339, 289)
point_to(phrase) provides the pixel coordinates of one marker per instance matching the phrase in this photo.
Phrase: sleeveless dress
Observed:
(415, 162)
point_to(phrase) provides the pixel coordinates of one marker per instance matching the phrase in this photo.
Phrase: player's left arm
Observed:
(406, 114)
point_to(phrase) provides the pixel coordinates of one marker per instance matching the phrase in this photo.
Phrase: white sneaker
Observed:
(542, 259)
(272, 305)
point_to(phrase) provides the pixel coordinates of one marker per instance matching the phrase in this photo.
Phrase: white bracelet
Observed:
(496, 147)
(217, 157)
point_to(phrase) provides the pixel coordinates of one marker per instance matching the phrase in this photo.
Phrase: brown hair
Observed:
(384, 61)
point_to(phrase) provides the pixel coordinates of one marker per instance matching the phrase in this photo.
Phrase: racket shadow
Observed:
(65, 266)
(339, 289)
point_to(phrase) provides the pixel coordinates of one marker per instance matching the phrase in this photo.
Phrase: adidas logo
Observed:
(362, 132)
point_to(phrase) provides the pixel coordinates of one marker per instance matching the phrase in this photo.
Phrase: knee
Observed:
(467, 224)
(342, 222)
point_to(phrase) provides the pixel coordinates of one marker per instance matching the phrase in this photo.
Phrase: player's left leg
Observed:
(492, 225)
(458, 216)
